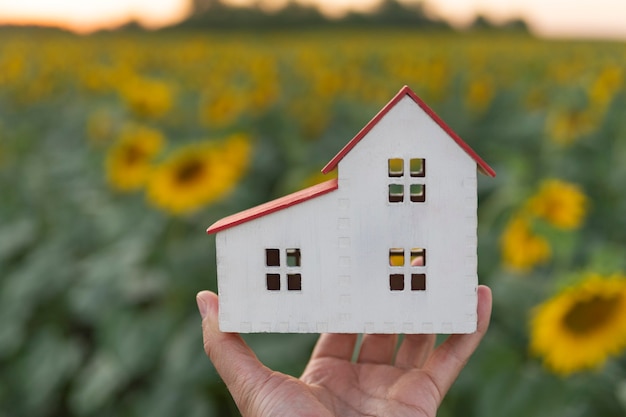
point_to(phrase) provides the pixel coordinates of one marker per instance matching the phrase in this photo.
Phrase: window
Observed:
(396, 257)
(293, 257)
(273, 282)
(272, 257)
(418, 257)
(418, 282)
(411, 267)
(294, 282)
(396, 193)
(396, 167)
(281, 271)
(418, 193)
(399, 182)
(396, 282)
(417, 167)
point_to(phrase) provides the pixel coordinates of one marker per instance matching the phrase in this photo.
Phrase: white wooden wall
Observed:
(345, 236)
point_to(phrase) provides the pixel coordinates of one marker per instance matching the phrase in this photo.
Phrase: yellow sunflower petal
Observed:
(199, 174)
(521, 248)
(129, 160)
(560, 203)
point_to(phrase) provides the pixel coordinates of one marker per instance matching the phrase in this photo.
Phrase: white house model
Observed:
(390, 246)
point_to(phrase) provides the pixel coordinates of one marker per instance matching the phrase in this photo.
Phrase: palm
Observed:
(409, 382)
(370, 389)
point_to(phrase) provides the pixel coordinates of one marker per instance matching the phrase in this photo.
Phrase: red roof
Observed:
(332, 185)
(406, 91)
(274, 205)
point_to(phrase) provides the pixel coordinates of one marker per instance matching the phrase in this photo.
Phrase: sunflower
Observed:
(148, 97)
(129, 160)
(521, 248)
(582, 326)
(223, 109)
(560, 203)
(479, 94)
(565, 126)
(199, 174)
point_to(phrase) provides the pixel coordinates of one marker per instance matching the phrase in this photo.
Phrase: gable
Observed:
(406, 91)
(331, 185)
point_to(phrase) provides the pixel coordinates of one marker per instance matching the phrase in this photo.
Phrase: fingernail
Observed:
(202, 307)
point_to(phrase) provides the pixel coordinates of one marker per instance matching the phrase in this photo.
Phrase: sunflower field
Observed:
(118, 150)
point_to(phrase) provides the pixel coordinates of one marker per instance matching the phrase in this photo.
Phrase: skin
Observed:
(382, 382)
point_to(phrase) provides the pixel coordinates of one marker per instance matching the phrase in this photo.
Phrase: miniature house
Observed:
(390, 246)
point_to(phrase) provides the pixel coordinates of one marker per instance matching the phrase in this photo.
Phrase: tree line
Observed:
(215, 14)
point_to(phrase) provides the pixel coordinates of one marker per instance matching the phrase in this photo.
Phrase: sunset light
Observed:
(84, 16)
(560, 18)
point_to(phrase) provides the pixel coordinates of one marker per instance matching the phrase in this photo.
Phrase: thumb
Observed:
(238, 366)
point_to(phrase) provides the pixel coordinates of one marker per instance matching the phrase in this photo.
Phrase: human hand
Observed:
(413, 384)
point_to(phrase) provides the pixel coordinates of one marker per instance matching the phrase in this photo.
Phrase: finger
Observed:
(414, 350)
(377, 348)
(238, 366)
(335, 345)
(450, 357)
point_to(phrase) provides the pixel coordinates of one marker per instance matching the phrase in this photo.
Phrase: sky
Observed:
(553, 18)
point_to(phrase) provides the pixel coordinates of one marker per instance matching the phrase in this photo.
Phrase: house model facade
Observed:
(389, 246)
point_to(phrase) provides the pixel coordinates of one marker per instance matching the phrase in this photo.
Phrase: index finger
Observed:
(233, 359)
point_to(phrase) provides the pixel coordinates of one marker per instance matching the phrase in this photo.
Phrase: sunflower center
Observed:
(133, 154)
(189, 171)
(587, 315)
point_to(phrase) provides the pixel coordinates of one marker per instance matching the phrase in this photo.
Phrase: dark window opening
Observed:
(272, 257)
(418, 282)
(396, 282)
(273, 282)
(294, 282)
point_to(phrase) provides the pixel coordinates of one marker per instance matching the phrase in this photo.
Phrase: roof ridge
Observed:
(406, 91)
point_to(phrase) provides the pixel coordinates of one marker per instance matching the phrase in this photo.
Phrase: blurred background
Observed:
(128, 127)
